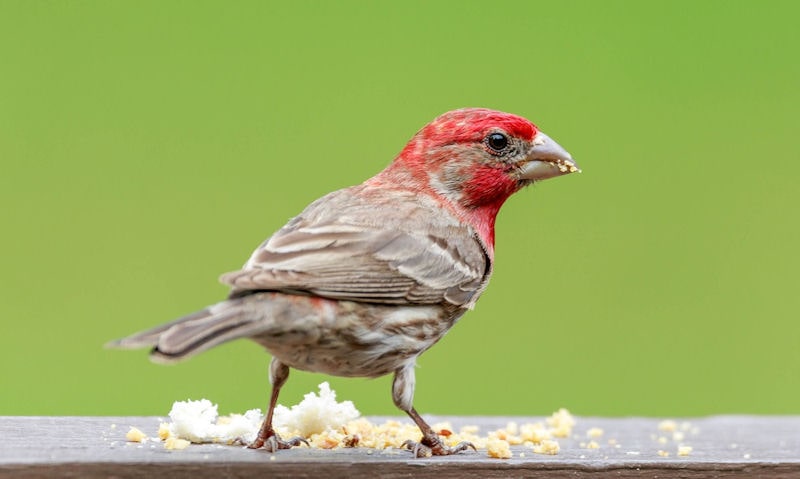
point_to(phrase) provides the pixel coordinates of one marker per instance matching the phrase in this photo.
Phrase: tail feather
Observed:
(192, 334)
(149, 337)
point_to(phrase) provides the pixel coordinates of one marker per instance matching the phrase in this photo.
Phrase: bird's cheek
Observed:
(487, 185)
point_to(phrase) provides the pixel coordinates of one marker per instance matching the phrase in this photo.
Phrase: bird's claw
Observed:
(417, 448)
(274, 442)
(428, 447)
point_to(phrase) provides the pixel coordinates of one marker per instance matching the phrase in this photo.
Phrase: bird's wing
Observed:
(395, 252)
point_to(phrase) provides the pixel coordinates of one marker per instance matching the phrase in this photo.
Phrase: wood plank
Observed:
(722, 446)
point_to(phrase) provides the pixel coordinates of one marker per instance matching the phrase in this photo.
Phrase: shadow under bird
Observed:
(369, 277)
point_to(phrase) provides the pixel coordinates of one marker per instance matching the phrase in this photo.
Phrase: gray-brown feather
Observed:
(321, 293)
(359, 248)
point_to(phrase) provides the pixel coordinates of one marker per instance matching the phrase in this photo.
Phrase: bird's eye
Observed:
(497, 142)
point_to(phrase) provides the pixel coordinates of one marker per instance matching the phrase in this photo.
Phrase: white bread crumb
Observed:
(327, 424)
(315, 414)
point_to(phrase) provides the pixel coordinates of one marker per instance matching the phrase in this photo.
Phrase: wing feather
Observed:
(412, 254)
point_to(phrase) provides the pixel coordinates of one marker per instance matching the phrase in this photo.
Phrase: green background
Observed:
(149, 146)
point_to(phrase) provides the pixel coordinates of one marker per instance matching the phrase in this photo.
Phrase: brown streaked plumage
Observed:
(367, 278)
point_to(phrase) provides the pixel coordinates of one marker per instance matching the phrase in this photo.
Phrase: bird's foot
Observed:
(433, 446)
(272, 442)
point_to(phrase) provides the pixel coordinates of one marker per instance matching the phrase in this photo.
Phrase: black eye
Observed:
(497, 142)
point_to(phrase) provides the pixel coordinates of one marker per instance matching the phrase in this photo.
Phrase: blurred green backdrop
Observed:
(149, 146)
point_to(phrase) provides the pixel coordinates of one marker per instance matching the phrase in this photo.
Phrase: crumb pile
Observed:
(327, 424)
(677, 432)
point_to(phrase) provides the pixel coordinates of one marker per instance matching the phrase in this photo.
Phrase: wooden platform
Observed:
(722, 446)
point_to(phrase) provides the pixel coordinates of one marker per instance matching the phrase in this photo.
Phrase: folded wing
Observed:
(411, 255)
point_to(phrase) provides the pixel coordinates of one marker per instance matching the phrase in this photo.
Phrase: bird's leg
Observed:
(431, 443)
(278, 374)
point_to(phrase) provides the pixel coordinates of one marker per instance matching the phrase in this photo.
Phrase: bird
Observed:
(367, 278)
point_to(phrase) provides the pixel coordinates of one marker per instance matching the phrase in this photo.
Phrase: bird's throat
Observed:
(483, 194)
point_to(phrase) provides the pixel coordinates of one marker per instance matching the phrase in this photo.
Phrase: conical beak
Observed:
(547, 159)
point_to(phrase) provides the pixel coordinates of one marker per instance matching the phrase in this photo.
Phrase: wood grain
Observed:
(722, 446)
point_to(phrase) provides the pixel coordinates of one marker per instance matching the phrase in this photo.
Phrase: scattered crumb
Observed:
(199, 421)
(163, 431)
(746, 456)
(135, 435)
(547, 446)
(667, 425)
(328, 424)
(592, 445)
(512, 428)
(498, 449)
(594, 432)
(175, 444)
(330, 440)
(677, 435)
(566, 168)
(534, 433)
(561, 423)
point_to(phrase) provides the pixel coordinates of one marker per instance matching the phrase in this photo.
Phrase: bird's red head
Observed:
(472, 124)
(473, 159)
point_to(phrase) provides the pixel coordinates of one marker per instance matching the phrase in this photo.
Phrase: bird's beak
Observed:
(546, 159)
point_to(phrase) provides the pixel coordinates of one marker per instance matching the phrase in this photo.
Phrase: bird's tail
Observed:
(197, 332)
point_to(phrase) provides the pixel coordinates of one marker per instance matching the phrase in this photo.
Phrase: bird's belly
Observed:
(344, 338)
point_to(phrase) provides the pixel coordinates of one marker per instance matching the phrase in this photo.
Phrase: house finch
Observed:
(369, 277)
